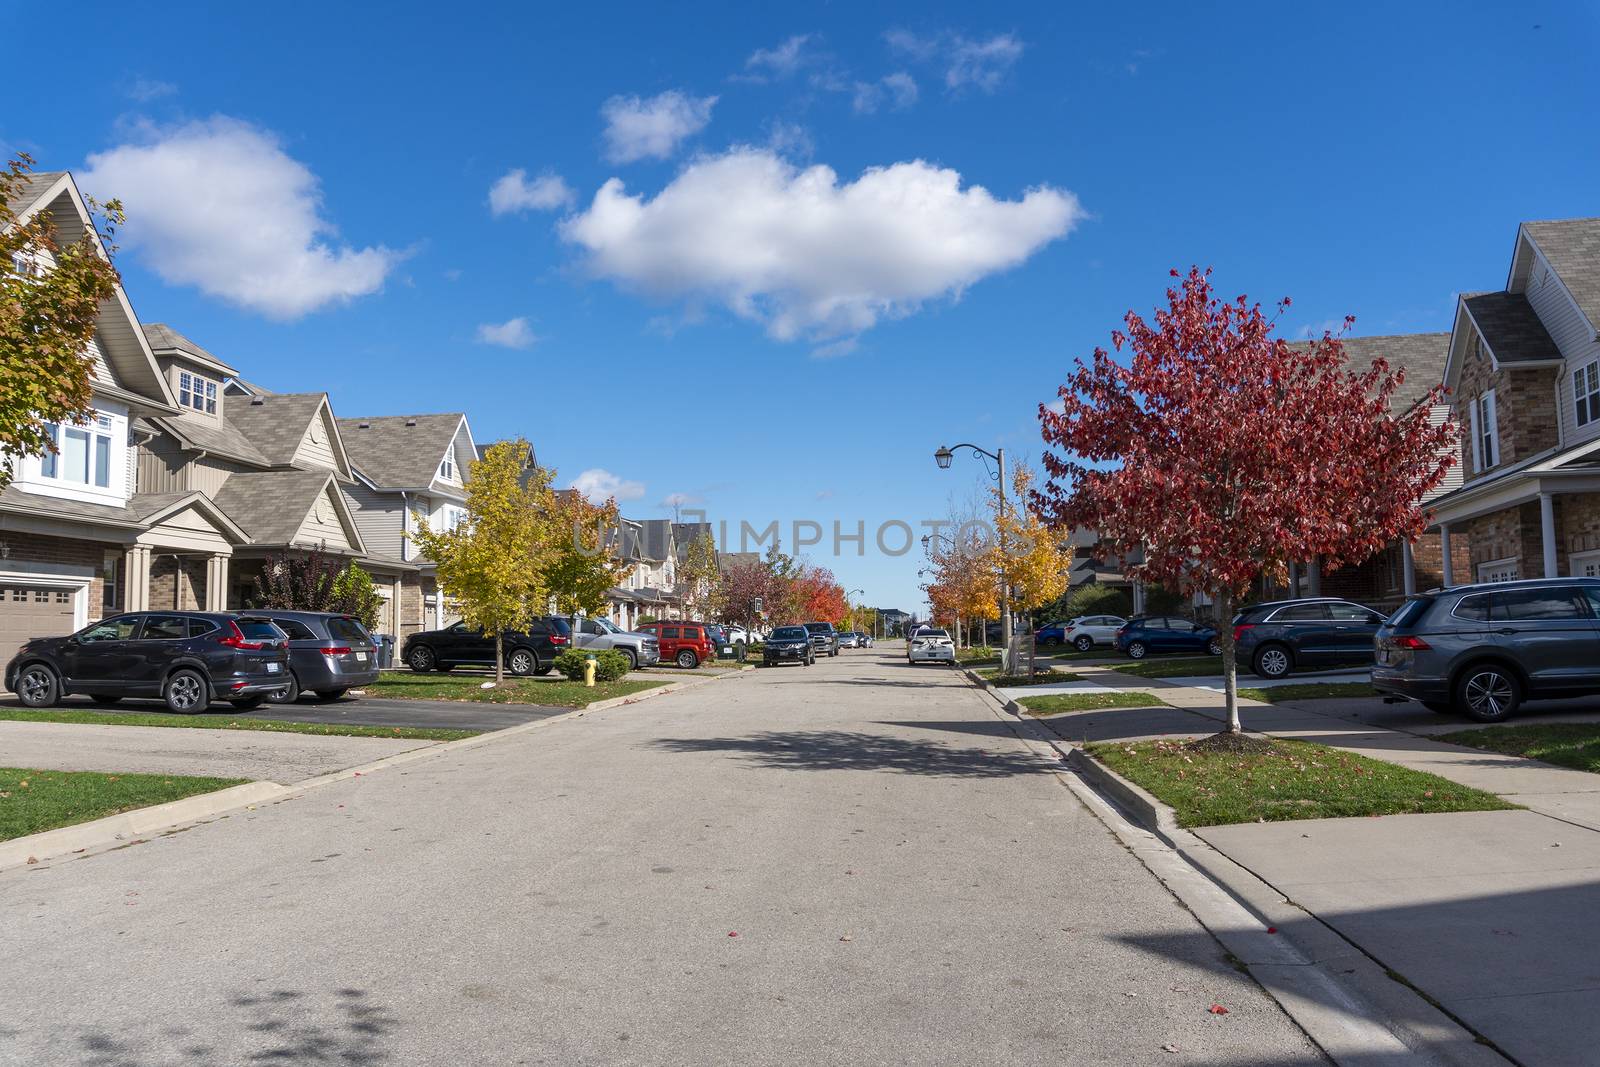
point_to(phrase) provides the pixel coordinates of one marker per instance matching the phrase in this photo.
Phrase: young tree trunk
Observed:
(1230, 675)
(499, 657)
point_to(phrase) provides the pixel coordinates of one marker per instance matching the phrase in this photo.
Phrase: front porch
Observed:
(1542, 522)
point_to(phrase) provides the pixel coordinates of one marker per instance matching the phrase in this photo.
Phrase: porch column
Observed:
(1447, 574)
(1408, 568)
(1138, 598)
(1294, 580)
(1547, 523)
(1314, 576)
(136, 577)
(217, 583)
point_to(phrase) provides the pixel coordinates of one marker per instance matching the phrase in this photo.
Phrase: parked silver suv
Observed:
(1484, 649)
(642, 650)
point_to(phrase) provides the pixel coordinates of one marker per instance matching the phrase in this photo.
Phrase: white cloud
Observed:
(982, 64)
(834, 349)
(782, 61)
(1058, 405)
(790, 139)
(219, 205)
(805, 255)
(598, 484)
(653, 128)
(681, 500)
(514, 192)
(513, 333)
(899, 88)
(145, 90)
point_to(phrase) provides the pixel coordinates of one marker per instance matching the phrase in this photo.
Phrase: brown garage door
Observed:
(32, 611)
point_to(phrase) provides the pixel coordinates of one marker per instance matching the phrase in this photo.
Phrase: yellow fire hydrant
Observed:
(588, 672)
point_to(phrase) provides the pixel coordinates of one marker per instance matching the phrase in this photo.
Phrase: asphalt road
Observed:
(853, 863)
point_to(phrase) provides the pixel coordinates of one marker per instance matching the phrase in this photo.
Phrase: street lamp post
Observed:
(943, 457)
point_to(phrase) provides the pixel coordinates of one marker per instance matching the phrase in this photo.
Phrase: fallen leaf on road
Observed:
(33, 859)
(1130, 994)
(1169, 1047)
(1272, 929)
(1217, 1009)
(733, 933)
(847, 937)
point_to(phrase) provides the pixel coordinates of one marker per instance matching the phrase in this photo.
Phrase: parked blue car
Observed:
(1147, 635)
(1285, 635)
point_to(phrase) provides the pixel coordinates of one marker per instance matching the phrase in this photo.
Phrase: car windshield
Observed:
(789, 633)
(933, 633)
(560, 625)
(261, 630)
(607, 625)
(344, 628)
(818, 627)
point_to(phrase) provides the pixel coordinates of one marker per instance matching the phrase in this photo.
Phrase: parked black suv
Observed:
(1484, 649)
(529, 651)
(186, 658)
(328, 654)
(1285, 635)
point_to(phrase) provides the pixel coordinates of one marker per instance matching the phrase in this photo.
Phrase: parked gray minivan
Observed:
(1482, 650)
(329, 653)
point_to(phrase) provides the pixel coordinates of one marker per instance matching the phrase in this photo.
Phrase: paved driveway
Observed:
(855, 863)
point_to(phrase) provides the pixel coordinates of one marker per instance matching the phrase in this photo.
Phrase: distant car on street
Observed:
(1146, 635)
(824, 636)
(529, 651)
(788, 644)
(849, 639)
(329, 654)
(1275, 638)
(1082, 633)
(931, 645)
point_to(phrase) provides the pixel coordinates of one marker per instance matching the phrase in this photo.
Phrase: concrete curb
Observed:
(1346, 1001)
(102, 834)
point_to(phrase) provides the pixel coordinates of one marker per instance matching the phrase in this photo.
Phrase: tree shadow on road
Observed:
(841, 750)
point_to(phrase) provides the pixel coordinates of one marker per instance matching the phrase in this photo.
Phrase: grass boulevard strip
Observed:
(1060, 703)
(1567, 744)
(228, 721)
(563, 694)
(32, 801)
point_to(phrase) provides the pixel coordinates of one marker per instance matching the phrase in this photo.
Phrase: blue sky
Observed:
(310, 198)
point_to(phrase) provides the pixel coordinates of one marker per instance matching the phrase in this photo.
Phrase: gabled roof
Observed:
(400, 451)
(153, 508)
(685, 534)
(655, 538)
(276, 423)
(218, 438)
(36, 187)
(1572, 248)
(19, 501)
(165, 340)
(1510, 328)
(1421, 355)
(272, 505)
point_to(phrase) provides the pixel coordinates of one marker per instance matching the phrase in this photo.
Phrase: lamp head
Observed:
(943, 457)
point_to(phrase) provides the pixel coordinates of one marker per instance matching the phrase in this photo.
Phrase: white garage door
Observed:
(32, 611)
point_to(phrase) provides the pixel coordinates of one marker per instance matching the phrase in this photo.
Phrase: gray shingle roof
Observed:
(1572, 247)
(219, 438)
(33, 187)
(686, 533)
(275, 424)
(1510, 327)
(271, 505)
(654, 537)
(399, 451)
(164, 338)
(1421, 355)
(14, 499)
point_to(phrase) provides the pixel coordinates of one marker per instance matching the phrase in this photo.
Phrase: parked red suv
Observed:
(683, 643)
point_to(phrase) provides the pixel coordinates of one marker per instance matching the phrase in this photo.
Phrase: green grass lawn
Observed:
(228, 721)
(32, 801)
(1569, 744)
(1293, 780)
(1171, 666)
(972, 657)
(1058, 703)
(561, 693)
(1277, 694)
(993, 676)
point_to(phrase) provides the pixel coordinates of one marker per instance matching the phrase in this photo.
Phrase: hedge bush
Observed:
(609, 664)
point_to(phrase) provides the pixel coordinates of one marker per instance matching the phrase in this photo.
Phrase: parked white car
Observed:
(931, 645)
(1082, 633)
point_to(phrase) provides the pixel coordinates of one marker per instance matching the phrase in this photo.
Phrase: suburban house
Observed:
(1524, 369)
(408, 470)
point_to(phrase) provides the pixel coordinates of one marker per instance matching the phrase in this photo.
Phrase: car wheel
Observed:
(249, 703)
(632, 658)
(1214, 648)
(1083, 643)
(522, 662)
(1137, 650)
(1274, 661)
(688, 660)
(37, 686)
(1488, 693)
(185, 692)
(287, 695)
(330, 695)
(421, 659)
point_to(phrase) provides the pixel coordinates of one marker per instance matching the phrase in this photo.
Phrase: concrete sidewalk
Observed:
(1494, 915)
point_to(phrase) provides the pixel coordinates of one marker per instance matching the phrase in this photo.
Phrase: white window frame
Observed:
(1586, 393)
(447, 469)
(1485, 432)
(1500, 570)
(197, 392)
(1584, 564)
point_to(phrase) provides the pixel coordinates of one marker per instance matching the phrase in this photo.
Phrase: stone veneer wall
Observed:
(1525, 404)
(187, 573)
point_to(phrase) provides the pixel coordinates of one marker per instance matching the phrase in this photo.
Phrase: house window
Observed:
(82, 456)
(197, 393)
(1485, 432)
(1586, 565)
(1498, 570)
(454, 516)
(447, 469)
(1586, 388)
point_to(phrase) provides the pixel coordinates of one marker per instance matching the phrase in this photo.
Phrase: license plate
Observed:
(361, 657)
(272, 668)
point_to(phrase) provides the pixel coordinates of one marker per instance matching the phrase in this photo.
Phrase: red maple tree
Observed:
(1225, 453)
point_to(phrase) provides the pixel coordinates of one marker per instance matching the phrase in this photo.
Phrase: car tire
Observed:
(632, 657)
(328, 696)
(38, 686)
(1488, 692)
(289, 694)
(687, 660)
(522, 662)
(249, 703)
(1272, 661)
(1214, 647)
(1137, 650)
(186, 692)
(422, 660)
(1083, 644)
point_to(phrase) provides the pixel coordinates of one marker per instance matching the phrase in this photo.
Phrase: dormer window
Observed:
(197, 392)
(447, 469)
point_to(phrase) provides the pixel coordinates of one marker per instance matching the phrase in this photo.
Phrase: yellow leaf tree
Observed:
(1031, 559)
(581, 570)
(491, 565)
